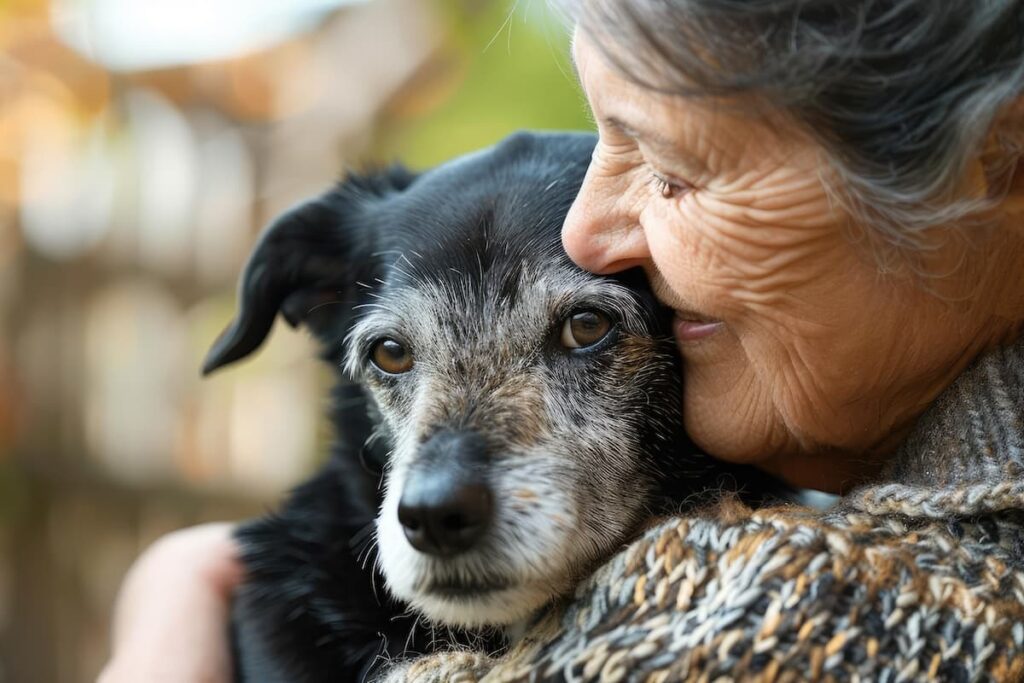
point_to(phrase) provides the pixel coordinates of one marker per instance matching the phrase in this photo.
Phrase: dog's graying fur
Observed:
(463, 265)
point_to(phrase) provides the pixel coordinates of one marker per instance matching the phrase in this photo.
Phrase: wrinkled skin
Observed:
(817, 363)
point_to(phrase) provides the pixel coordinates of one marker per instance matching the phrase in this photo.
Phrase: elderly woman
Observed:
(827, 193)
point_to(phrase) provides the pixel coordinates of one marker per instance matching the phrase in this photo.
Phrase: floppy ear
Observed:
(305, 258)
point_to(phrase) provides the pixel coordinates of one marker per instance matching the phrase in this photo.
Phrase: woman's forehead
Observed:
(699, 134)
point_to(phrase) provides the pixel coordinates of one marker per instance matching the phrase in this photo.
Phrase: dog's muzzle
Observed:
(447, 505)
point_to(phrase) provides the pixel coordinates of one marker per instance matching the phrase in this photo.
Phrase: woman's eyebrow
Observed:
(645, 136)
(665, 146)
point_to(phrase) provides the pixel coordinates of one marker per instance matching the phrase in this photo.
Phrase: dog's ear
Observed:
(306, 258)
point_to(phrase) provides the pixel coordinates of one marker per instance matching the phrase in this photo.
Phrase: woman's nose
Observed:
(602, 232)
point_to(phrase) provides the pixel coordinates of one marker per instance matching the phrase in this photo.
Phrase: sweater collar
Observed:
(965, 455)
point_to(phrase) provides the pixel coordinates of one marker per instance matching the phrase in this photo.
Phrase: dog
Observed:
(504, 420)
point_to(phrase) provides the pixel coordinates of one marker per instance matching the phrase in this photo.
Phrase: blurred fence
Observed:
(142, 146)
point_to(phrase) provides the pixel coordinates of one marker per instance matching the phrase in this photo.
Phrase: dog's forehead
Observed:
(478, 234)
(476, 290)
(515, 195)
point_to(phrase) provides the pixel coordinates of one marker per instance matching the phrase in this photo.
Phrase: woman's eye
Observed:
(667, 188)
(391, 356)
(585, 328)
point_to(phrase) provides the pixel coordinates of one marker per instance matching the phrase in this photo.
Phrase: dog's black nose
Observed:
(446, 504)
(444, 518)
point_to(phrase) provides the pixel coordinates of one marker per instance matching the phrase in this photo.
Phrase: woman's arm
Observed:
(171, 618)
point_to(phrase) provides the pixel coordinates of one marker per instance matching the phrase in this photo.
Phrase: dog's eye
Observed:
(584, 328)
(391, 356)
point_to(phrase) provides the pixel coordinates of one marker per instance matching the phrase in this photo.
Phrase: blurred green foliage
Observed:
(508, 67)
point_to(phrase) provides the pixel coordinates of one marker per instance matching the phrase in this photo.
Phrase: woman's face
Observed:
(797, 352)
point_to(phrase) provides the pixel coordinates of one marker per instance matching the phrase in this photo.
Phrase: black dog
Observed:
(504, 420)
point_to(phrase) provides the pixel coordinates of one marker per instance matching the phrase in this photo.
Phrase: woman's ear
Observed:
(308, 257)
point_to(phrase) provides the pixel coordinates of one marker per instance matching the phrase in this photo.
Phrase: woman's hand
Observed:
(171, 617)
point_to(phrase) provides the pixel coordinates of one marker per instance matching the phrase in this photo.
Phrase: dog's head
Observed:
(527, 408)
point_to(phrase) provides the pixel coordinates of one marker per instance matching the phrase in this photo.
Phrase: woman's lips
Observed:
(691, 328)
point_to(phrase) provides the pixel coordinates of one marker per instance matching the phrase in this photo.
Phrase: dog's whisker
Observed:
(373, 586)
(402, 271)
(325, 304)
(367, 543)
(412, 633)
(375, 306)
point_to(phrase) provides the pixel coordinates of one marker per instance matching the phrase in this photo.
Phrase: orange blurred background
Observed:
(142, 147)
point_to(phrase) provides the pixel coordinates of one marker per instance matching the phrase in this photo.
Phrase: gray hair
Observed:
(902, 94)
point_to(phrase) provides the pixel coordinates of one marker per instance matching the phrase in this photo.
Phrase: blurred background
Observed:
(143, 144)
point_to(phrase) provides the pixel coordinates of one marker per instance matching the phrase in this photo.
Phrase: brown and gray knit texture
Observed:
(920, 577)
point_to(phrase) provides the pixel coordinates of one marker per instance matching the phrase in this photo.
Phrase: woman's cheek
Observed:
(684, 251)
(729, 410)
(758, 395)
(818, 380)
(801, 396)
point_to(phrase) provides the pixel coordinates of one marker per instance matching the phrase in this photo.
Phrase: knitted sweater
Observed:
(918, 577)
